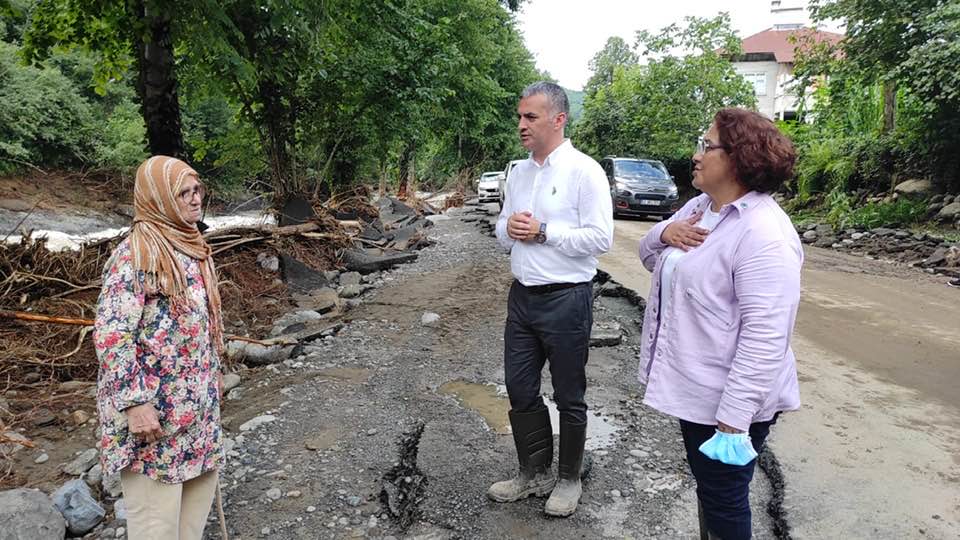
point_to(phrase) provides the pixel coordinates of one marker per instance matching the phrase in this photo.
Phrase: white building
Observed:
(766, 60)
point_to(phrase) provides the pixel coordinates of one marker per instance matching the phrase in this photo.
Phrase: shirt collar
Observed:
(748, 201)
(741, 205)
(556, 154)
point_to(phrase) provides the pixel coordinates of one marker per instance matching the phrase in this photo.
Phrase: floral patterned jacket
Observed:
(148, 354)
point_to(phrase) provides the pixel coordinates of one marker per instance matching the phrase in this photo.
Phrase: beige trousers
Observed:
(158, 511)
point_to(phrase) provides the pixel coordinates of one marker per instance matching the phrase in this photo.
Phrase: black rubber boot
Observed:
(533, 437)
(566, 495)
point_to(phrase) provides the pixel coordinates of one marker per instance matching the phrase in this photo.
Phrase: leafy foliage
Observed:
(304, 95)
(844, 213)
(614, 54)
(658, 109)
(43, 117)
(910, 48)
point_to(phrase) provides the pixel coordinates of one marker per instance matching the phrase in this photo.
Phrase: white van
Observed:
(506, 178)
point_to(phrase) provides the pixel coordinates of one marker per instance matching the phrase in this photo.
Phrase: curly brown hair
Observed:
(763, 157)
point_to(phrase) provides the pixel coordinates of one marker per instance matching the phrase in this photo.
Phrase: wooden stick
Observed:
(250, 340)
(235, 243)
(23, 316)
(286, 230)
(323, 235)
(33, 317)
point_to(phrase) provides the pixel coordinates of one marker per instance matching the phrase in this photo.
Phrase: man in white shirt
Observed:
(556, 219)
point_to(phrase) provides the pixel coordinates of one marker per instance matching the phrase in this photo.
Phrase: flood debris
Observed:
(48, 297)
(366, 261)
(404, 485)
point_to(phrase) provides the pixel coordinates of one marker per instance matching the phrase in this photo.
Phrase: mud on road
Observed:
(872, 453)
(315, 470)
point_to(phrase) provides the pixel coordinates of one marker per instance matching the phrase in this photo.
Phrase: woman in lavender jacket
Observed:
(722, 305)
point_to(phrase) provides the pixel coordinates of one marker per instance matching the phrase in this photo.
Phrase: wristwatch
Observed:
(541, 235)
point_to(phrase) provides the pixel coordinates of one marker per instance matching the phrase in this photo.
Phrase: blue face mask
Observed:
(729, 448)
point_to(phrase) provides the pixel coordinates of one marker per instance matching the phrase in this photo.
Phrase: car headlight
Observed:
(672, 191)
(621, 189)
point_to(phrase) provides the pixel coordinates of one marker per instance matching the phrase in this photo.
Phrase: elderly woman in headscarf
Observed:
(158, 337)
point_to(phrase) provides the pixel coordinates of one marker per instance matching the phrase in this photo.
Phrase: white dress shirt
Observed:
(569, 193)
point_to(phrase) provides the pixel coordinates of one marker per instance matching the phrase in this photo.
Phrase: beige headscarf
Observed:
(159, 230)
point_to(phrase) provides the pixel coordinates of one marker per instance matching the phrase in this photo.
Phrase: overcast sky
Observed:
(564, 34)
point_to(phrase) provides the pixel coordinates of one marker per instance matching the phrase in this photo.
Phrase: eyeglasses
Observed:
(703, 146)
(188, 194)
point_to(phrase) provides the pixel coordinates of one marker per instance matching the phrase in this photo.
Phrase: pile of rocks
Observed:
(321, 298)
(77, 508)
(945, 209)
(914, 249)
(942, 208)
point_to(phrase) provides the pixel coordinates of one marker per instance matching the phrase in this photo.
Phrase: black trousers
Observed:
(551, 326)
(723, 490)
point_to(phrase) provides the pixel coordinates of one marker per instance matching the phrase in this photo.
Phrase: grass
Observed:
(841, 211)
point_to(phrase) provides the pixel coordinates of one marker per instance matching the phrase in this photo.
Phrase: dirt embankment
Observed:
(72, 203)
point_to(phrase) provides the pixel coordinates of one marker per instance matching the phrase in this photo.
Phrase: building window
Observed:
(759, 82)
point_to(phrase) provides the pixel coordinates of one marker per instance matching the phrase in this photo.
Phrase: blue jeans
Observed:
(723, 490)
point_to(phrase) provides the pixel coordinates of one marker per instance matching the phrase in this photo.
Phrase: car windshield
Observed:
(489, 176)
(637, 169)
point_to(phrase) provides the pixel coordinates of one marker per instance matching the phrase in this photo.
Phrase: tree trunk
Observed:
(382, 167)
(406, 159)
(157, 85)
(279, 119)
(889, 106)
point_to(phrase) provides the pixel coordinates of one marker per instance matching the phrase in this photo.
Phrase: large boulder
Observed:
(258, 354)
(294, 318)
(299, 277)
(28, 514)
(322, 300)
(952, 256)
(82, 463)
(949, 213)
(78, 507)
(919, 188)
(366, 261)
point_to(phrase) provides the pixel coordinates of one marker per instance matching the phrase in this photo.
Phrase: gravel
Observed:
(337, 418)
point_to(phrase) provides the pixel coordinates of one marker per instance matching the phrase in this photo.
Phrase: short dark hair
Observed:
(763, 157)
(555, 95)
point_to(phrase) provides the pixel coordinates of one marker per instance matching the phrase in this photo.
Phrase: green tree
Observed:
(44, 120)
(658, 109)
(908, 49)
(124, 34)
(615, 53)
(332, 90)
(879, 37)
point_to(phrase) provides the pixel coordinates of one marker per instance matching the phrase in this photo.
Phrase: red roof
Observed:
(778, 42)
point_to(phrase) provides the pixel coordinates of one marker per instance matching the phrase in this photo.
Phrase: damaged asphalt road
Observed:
(325, 427)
